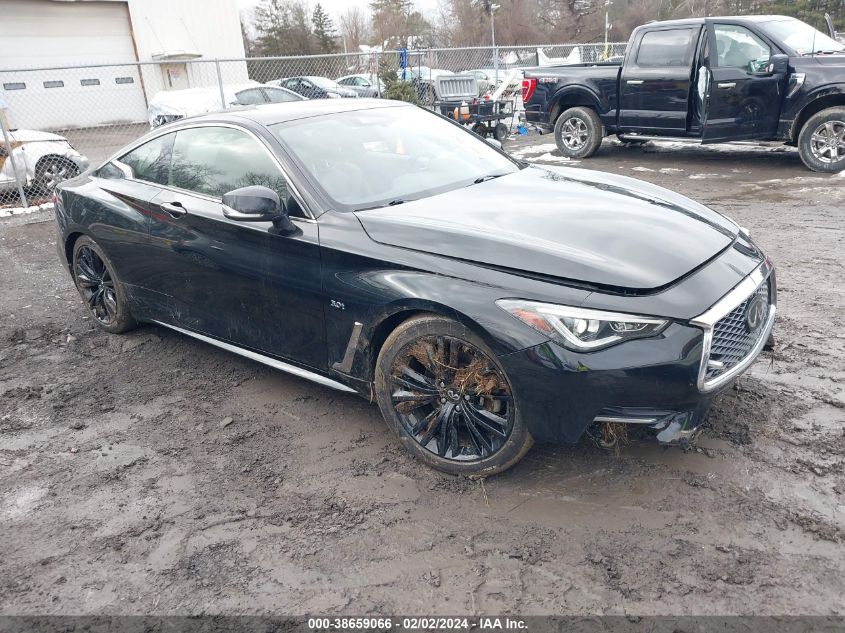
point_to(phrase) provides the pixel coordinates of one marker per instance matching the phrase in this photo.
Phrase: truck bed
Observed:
(600, 78)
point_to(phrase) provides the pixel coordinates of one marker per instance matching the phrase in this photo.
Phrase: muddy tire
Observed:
(578, 132)
(447, 398)
(500, 132)
(821, 143)
(99, 287)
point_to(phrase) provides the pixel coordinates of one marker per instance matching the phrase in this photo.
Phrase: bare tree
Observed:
(354, 27)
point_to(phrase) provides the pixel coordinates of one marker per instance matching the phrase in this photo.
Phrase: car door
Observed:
(743, 99)
(120, 217)
(656, 81)
(241, 282)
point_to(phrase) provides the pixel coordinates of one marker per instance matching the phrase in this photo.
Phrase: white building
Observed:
(177, 42)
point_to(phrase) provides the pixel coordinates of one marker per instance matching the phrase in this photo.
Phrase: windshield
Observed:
(373, 158)
(801, 37)
(322, 82)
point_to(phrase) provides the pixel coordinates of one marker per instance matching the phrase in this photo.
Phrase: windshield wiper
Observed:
(392, 203)
(823, 53)
(478, 181)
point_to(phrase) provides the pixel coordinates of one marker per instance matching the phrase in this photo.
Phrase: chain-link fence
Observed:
(61, 120)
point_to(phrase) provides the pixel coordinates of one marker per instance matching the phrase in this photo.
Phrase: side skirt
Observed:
(266, 360)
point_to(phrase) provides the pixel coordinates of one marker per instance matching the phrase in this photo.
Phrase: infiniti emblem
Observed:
(755, 313)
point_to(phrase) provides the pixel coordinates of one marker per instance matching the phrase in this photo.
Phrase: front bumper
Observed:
(658, 382)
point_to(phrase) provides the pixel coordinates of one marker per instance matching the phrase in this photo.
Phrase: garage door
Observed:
(56, 35)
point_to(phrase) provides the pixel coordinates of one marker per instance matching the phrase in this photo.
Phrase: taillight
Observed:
(528, 86)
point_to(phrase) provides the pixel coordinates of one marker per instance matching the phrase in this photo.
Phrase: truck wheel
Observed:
(578, 132)
(821, 143)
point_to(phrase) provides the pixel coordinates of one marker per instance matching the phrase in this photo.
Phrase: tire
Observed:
(99, 287)
(480, 129)
(447, 398)
(500, 133)
(53, 170)
(578, 132)
(821, 143)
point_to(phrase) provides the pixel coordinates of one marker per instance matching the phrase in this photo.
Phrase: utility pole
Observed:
(493, 8)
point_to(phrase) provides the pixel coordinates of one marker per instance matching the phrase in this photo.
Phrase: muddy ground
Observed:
(122, 491)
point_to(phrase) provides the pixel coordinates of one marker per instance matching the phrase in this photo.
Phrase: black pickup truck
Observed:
(770, 78)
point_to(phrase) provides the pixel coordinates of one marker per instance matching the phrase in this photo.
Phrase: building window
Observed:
(124, 80)
(89, 82)
(19, 85)
(54, 84)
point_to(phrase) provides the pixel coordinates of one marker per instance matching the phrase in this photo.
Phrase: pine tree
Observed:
(324, 31)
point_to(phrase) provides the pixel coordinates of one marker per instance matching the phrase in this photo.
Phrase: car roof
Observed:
(271, 113)
(754, 19)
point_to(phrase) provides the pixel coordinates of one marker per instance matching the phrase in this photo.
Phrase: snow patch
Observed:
(10, 211)
(551, 158)
(703, 176)
(543, 148)
(671, 170)
(641, 169)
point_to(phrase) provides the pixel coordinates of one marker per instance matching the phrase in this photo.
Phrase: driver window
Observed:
(738, 47)
(214, 160)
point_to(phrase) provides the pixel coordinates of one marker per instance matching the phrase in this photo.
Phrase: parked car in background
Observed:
(42, 160)
(376, 247)
(771, 78)
(364, 85)
(172, 105)
(315, 87)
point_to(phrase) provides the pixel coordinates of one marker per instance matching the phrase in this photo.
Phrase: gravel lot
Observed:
(122, 491)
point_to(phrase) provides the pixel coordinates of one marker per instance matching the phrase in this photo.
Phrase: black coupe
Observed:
(376, 247)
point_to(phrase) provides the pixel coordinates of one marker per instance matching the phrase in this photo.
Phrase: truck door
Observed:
(743, 99)
(656, 81)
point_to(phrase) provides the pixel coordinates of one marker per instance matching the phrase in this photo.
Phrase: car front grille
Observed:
(732, 341)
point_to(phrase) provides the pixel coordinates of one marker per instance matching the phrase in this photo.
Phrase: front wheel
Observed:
(821, 143)
(578, 132)
(446, 396)
(52, 171)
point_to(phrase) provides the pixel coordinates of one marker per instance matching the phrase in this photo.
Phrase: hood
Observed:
(33, 136)
(602, 230)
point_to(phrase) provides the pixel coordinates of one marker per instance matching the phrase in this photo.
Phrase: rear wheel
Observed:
(821, 143)
(500, 133)
(448, 399)
(578, 132)
(100, 288)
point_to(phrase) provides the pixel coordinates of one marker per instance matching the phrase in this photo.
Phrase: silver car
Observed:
(42, 160)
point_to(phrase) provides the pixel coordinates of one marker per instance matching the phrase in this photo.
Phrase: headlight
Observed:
(580, 329)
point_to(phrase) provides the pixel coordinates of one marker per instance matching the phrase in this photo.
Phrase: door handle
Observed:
(634, 82)
(174, 209)
(727, 85)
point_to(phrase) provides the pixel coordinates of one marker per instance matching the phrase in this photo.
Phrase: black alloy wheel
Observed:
(99, 287)
(449, 399)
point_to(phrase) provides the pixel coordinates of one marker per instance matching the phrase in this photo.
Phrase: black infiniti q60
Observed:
(375, 247)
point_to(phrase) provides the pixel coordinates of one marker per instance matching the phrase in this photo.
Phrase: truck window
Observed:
(740, 48)
(665, 48)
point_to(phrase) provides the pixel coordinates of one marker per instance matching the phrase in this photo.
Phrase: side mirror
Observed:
(252, 204)
(257, 203)
(494, 142)
(778, 65)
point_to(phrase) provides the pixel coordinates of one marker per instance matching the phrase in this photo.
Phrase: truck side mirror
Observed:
(778, 65)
